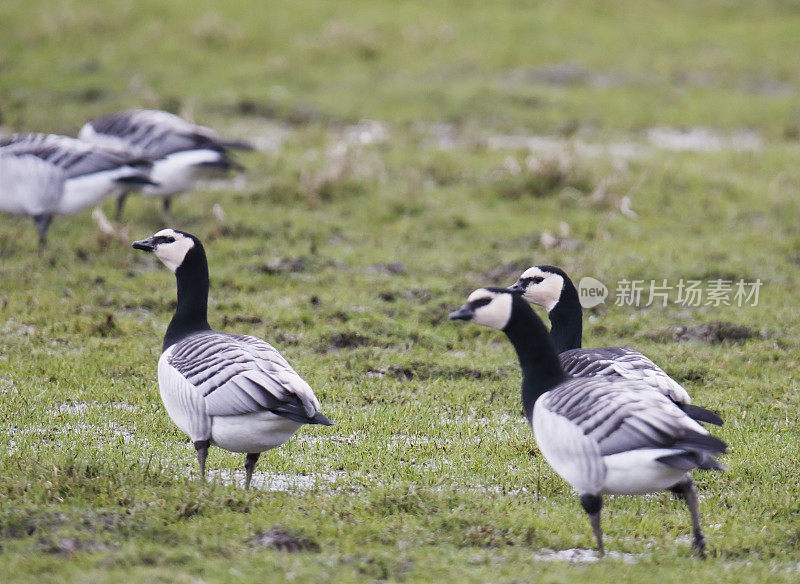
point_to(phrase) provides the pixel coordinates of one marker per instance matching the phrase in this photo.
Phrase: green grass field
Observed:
(503, 135)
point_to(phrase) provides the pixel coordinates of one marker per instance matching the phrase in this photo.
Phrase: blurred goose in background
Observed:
(182, 152)
(31, 186)
(91, 172)
(602, 434)
(551, 288)
(233, 391)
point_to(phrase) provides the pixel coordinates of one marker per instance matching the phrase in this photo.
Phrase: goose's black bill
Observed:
(145, 244)
(518, 287)
(464, 313)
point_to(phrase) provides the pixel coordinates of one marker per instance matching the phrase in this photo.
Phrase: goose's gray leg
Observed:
(249, 467)
(687, 491)
(120, 204)
(42, 223)
(202, 452)
(592, 504)
(167, 204)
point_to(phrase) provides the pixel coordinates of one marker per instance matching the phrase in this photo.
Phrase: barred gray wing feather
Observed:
(623, 362)
(241, 374)
(156, 133)
(618, 416)
(76, 157)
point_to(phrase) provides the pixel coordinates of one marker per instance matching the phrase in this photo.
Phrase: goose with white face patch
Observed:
(551, 288)
(236, 392)
(603, 435)
(182, 152)
(91, 173)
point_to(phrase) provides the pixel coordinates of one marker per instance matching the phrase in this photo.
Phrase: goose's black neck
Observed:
(541, 370)
(566, 319)
(191, 315)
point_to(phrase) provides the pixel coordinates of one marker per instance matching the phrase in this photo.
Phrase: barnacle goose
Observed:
(91, 172)
(551, 288)
(31, 186)
(602, 434)
(182, 152)
(234, 391)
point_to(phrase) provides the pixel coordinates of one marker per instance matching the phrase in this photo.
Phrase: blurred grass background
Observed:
(409, 152)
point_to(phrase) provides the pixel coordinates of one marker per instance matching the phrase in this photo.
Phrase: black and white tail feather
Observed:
(234, 391)
(551, 288)
(602, 434)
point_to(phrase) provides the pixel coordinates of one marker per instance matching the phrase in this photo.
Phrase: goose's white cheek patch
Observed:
(496, 314)
(172, 254)
(546, 293)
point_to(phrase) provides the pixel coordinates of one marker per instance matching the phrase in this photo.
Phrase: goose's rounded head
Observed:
(490, 307)
(541, 285)
(170, 246)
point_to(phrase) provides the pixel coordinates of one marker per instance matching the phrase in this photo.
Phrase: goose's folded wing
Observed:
(618, 416)
(153, 132)
(241, 374)
(625, 363)
(76, 157)
(29, 185)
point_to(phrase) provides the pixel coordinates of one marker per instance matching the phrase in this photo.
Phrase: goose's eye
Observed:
(481, 302)
(537, 279)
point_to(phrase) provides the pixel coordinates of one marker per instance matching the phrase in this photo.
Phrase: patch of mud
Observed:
(286, 339)
(242, 319)
(284, 266)
(712, 333)
(284, 541)
(298, 114)
(401, 373)
(67, 546)
(348, 340)
(424, 372)
(486, 536)
(49, 527)
(393, 268)
(580, 556)
(90, 522)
